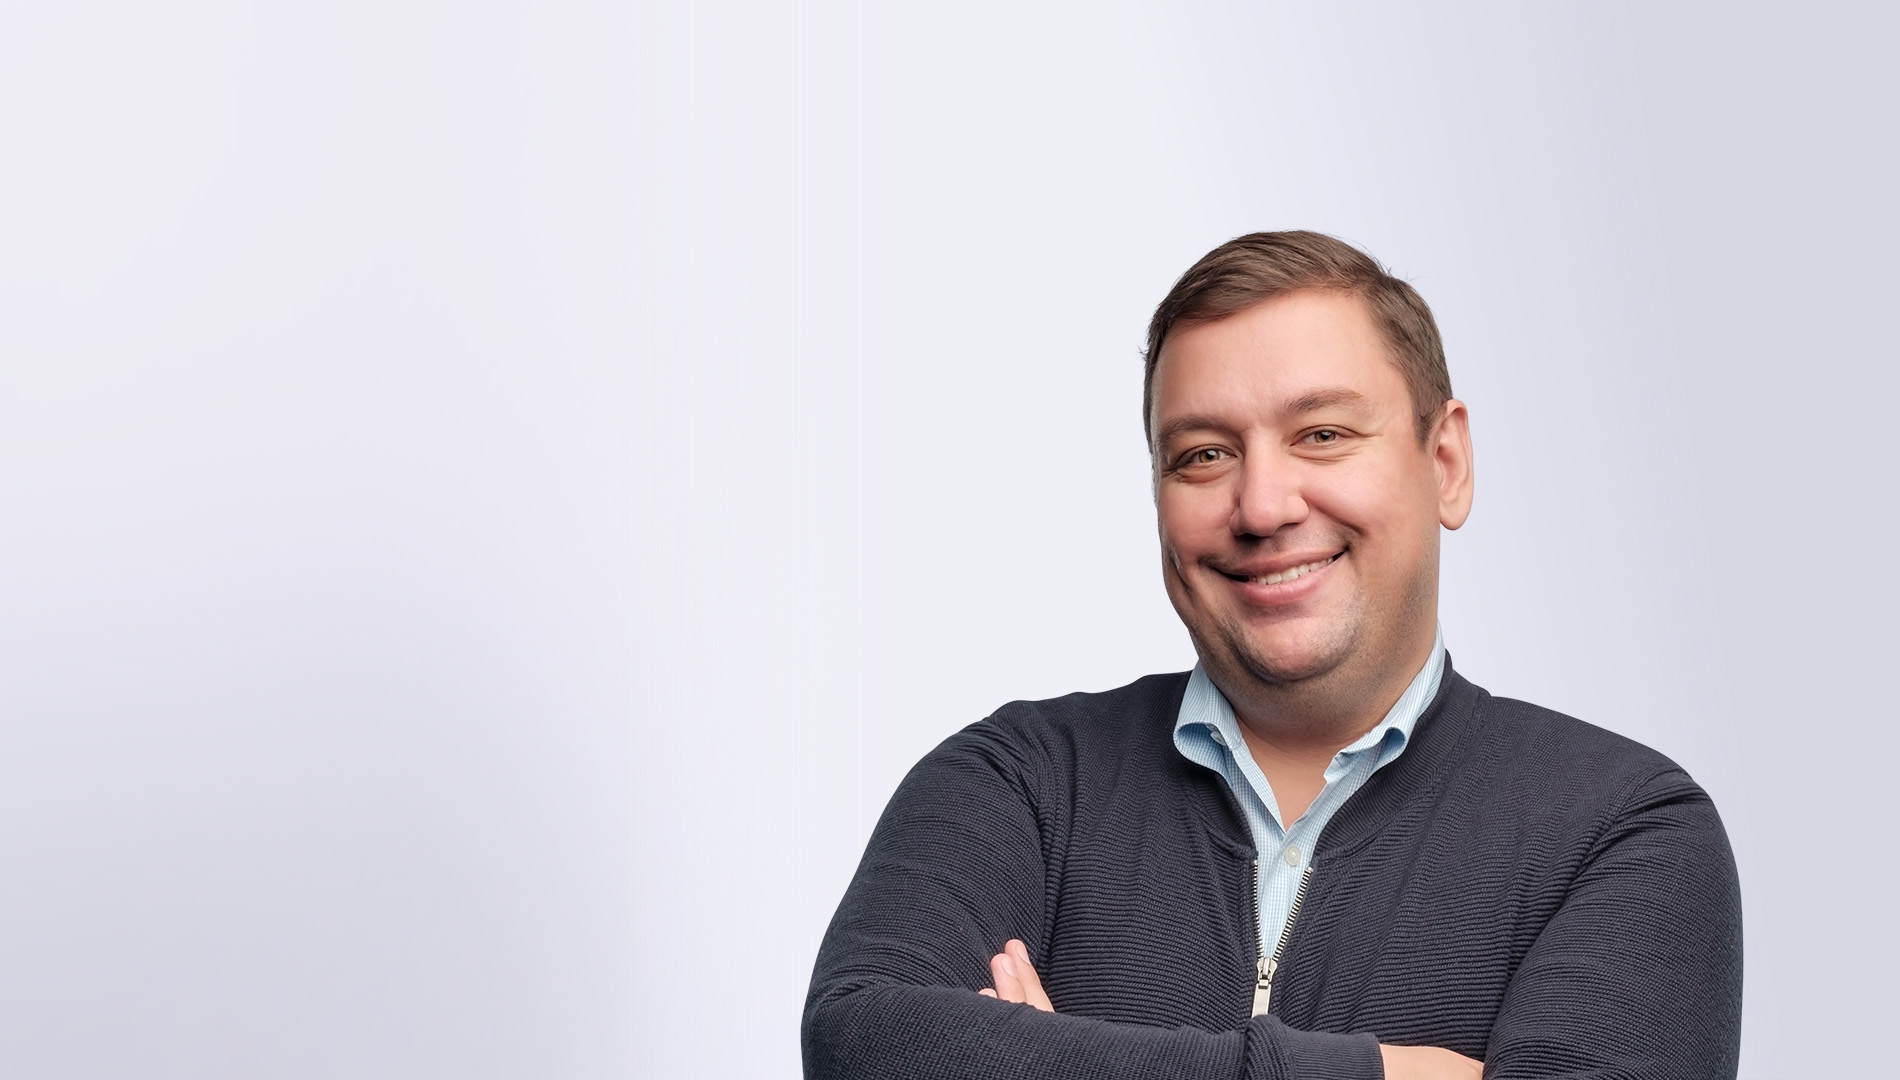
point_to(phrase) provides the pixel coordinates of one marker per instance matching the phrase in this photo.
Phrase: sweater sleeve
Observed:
(1639, 973)
(955, 868)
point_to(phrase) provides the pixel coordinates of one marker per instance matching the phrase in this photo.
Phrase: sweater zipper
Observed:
(1267, 966)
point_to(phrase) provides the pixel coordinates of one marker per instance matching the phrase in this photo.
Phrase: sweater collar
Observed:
(1431, 759)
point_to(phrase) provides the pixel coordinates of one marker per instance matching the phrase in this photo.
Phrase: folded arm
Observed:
(1636, 975)
(1017, 981)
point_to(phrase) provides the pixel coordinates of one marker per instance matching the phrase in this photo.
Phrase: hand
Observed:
(1427, 1063)
(1015, 978)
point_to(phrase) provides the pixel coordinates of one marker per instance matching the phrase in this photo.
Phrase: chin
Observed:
(1282, 660)
(1281, 669)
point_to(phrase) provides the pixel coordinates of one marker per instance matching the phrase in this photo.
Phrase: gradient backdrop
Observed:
(496, 494)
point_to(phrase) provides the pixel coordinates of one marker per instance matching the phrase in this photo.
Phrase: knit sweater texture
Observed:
(1519, 886)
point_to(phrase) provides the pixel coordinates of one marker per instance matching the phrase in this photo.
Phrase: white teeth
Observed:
(1291, 573)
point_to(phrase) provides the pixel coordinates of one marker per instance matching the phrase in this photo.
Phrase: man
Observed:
(1322, 853)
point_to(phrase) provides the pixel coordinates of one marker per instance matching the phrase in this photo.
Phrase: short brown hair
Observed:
(1250, 269)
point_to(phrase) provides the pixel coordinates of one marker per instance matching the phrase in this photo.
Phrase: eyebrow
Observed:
(1337, 397)
(1182, 424)
(1334, 397)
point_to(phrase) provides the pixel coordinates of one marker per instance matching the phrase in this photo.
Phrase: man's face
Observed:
(1299, 513)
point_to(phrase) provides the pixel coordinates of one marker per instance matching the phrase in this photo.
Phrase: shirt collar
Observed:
(1206, 716)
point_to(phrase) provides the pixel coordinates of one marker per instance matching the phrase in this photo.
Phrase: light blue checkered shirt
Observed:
(1207, 733)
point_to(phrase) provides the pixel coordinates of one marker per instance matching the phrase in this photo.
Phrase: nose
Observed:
(1268, 496)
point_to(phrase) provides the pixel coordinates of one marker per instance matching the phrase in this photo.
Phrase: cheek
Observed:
(1190, 522)
(1396, 528)
(1382, 503)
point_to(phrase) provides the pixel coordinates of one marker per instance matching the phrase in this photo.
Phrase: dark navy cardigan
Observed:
(1518, 886)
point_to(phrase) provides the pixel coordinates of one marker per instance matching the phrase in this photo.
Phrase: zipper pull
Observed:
(1263, 989)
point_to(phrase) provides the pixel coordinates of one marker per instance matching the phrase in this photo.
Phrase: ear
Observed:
(1450, 447)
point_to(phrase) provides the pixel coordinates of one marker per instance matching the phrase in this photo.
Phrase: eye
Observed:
(1205, 455)
(1324, 436)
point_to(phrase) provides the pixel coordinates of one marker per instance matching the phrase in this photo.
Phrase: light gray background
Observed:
(497, 494)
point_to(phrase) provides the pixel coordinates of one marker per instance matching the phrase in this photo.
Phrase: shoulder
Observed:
(1056, 739)
(1148, 702)
(1557, 740)
(1554, 761)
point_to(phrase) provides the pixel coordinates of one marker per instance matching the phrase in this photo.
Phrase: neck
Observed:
(1324, 713)
(1294, 729)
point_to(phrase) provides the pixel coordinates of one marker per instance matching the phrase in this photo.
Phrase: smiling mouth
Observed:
(1289, 573)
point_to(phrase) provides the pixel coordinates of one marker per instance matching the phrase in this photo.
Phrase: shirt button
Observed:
(1219, 739)
(1292, 855)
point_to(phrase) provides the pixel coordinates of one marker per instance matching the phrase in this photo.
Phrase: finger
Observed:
(1428, 1063)
(1462, 1065)
(1026, 975)
(987, 992)
(1003, 974)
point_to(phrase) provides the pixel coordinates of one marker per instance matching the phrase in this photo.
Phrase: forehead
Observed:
(1270, 357)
